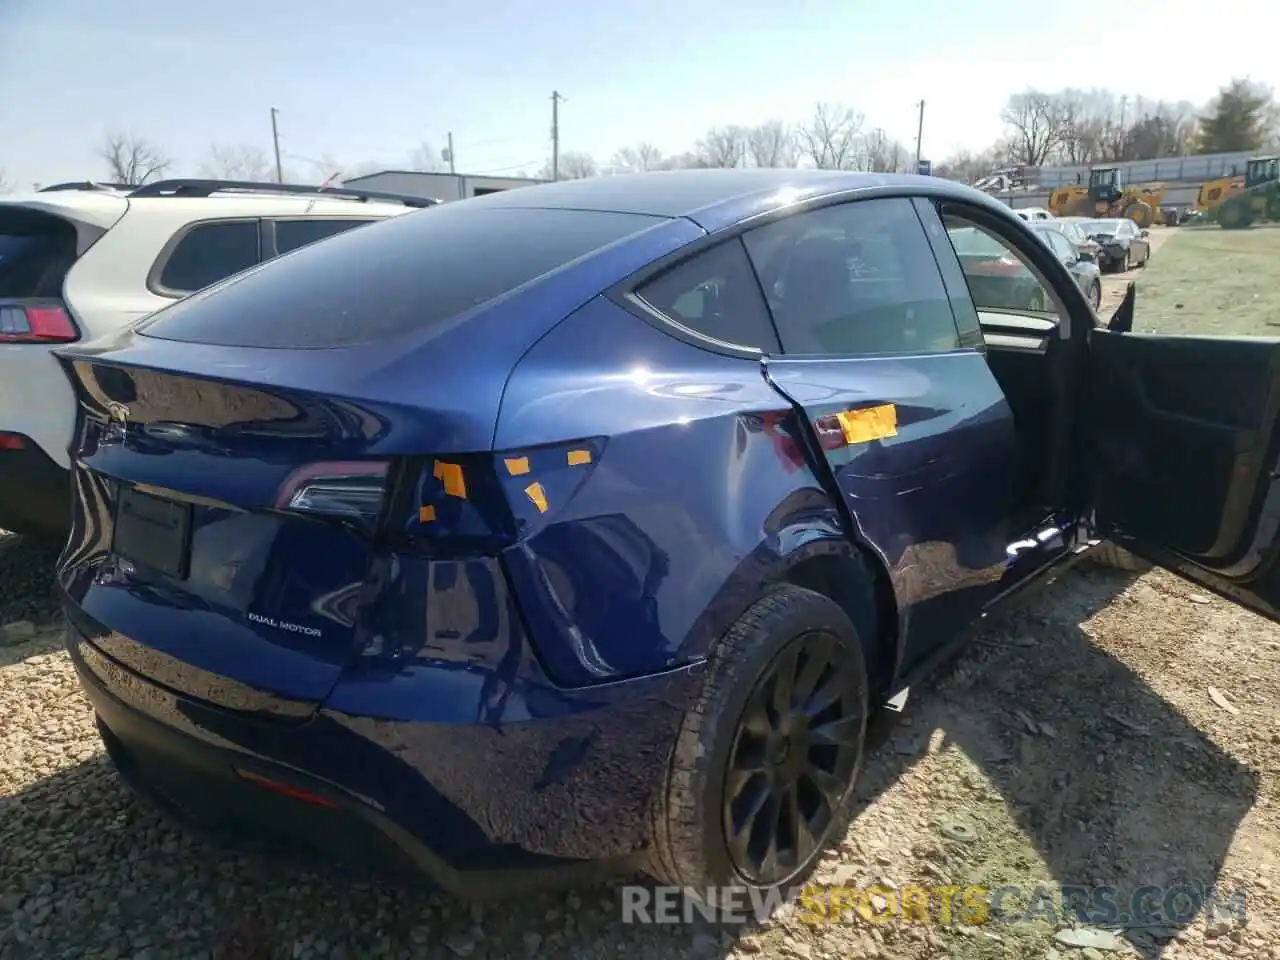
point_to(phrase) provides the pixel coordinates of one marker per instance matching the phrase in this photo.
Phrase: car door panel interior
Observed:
(1184, 432)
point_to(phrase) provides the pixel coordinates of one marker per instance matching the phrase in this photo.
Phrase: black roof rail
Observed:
(205, 188)
(87, 185)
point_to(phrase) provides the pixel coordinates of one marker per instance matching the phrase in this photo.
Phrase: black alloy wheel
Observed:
(793, 757)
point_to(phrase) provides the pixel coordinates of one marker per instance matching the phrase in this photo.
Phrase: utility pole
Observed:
(275, 139)
(555, 134)
(451, 166)
(919, 135)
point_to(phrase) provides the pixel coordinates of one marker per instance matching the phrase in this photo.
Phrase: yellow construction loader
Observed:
(1236, 202)
(1107, 196)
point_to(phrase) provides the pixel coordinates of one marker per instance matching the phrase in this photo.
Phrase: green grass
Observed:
(1213, 282)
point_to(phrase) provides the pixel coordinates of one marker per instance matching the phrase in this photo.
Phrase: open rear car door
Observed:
(1183, 445)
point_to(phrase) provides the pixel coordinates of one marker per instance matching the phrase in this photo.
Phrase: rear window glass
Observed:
(408, 272)
(36, 251)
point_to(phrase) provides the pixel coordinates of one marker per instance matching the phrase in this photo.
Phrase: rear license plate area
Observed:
(152, 532)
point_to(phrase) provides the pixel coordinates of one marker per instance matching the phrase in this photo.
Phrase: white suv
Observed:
(81, 260)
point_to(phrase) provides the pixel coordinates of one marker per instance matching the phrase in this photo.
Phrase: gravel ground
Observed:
(1135, 775)
(1111, 729)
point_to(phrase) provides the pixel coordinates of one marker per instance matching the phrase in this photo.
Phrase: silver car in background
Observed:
(1080, 262)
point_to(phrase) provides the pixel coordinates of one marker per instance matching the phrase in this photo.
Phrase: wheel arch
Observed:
(814, 552)
(851, 575)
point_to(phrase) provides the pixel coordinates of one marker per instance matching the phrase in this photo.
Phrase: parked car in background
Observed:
(1034, 213)
(1124, 244)
(1078, 261)
(80, 260)
(1071, 228)
(589, 521)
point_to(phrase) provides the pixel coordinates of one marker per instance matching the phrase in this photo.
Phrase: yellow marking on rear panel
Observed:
(450, 474)
(537, 495)
(869, 423)
(426, 514)
(578, 457)
(517, 466)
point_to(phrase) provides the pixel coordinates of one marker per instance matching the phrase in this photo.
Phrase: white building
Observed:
(436, 186)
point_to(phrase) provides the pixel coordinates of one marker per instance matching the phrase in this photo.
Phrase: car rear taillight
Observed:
(482, 503)
(461, 503)
(341, 490)
(47, 323)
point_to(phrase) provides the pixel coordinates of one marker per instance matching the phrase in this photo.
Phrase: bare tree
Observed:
(1034, 120)
(4, 183)
(643, 156)
(426, 159)
(689, 160)
(132, 159)
(968, 167)
(772, 144)
(881, 153)
(574, 165)
(1083, 119)
(831, 136)
(723, 147)
(237, 162)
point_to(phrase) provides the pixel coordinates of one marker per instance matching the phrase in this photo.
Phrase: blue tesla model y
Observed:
(587, 522)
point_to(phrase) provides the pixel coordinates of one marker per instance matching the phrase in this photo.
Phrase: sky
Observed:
(367, 82)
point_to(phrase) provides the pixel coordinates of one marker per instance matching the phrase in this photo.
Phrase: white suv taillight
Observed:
(44, 323)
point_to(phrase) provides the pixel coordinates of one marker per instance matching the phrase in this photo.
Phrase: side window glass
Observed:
(715, 294)
(292, 234)
(998, 277)
(855, 279)
(962, 306)
(209, 253)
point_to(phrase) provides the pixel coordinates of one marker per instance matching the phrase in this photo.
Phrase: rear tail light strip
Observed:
(469, 502)
(36, 324)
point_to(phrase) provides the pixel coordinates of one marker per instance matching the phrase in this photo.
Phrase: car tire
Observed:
(787, 632)
(1095, 295)
(1107, 554)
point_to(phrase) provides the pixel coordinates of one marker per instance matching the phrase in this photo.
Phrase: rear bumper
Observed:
(35, 493)
(562, 791)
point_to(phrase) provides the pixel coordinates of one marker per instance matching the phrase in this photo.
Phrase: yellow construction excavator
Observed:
(1107, 196)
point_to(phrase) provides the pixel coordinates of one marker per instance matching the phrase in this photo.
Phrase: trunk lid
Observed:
(186, 561)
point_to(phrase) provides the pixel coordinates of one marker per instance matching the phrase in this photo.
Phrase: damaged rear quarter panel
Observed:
(700, 497)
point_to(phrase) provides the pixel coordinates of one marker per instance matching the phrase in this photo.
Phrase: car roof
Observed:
(104, 207)
(713, 198)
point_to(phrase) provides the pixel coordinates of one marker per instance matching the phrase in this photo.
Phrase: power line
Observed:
(510, 166)
(497, 142)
